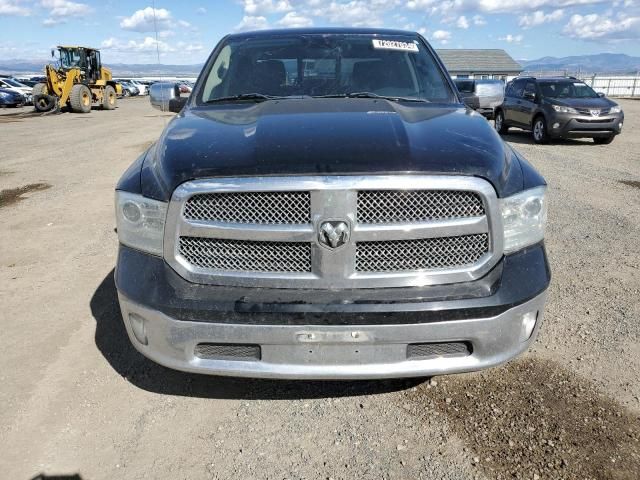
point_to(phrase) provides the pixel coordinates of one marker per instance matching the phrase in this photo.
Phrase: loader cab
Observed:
(86, 59)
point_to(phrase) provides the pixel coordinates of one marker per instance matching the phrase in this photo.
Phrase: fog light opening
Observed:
(138, 326)
(556, 125)
(529, 320)
(620, 126)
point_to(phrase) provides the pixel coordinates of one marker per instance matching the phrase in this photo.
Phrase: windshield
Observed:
(465, 86)
(564, 89)
(69, 58)
(14, 83)
(326, 65)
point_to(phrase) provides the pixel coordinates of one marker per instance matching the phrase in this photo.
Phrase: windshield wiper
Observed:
(392, 98)
(261, 97)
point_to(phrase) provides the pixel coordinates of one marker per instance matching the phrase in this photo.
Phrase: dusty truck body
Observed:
(324, 206)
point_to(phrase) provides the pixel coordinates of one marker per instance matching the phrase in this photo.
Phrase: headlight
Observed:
(561, 109)
(140, 222)
(4, 95)
(615, 109)
(524, 216)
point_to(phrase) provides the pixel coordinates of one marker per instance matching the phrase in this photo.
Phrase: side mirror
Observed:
(162, 94)
(601, 95)
(177, 104)
(530, 96)
(53, 53)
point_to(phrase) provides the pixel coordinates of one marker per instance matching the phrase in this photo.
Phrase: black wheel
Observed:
(44, 103)
(501, 127)
(109, 99)
(539, 130)
(39, 89)
(80, 99)
(603, 140)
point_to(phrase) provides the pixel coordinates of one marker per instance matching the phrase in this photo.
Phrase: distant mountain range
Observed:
(35, 67)
(599, 63)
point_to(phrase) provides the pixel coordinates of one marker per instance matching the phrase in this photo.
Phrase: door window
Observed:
(530, 89)
(517, 88)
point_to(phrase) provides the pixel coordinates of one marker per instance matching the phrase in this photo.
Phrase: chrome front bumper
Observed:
(333, 352)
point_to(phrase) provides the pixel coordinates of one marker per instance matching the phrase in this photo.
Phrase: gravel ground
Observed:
(78, 400)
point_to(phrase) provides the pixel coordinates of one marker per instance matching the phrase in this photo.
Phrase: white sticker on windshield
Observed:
(578, 84)
(395, 45)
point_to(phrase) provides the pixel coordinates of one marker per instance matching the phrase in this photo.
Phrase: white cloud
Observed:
(355, 13)
(295, 20)
(539, 17)
(511, 38)
(143, 20)
(479, 21)
(462, 22)
(600, 27)
(65, 8)
(13, 7)
(201, 10)
(149, 44)
(265, 7)
(52, 22)
(495, 6)
(252, 23)
(441, 36)
(450, 7)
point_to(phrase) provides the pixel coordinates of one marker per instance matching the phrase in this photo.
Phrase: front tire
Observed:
(603, 140)
(501, 127)
(539, 131)
(43, 103)
(80, 99)
(109, 99)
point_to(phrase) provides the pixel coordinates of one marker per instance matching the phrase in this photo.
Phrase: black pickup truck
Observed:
(324, 206)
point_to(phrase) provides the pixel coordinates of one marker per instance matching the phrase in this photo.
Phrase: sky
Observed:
(189, 29)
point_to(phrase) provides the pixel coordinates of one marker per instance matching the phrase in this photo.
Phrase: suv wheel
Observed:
(501, 128)
(540, 130)
(604, 140)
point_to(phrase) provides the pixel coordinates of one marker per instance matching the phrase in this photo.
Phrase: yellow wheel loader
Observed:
(78, 83)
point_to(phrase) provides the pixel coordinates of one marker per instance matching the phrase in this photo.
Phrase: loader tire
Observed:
(39, 89)
(109, 98)
(80, 99)
(44, 103)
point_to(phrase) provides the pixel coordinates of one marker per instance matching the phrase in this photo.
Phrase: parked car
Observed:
(129, 89)
(354, 224)
(26, 82)
(481, 95)
(555, 107)
(11, 98)
(15, 86)
(142, 88)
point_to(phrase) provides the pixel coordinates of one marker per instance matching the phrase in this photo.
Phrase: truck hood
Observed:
(327, 137)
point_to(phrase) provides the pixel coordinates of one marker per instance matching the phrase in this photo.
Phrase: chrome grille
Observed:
(264, 208)
(246, 256)
(391, 206)
(587, 111)
(421, 254)
(276, 232)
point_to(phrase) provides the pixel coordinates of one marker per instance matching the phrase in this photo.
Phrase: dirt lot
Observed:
(77, 399)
